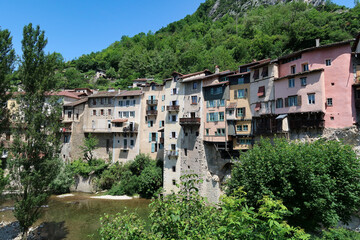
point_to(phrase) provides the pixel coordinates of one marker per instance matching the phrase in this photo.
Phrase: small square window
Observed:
(194, 85)
(311, 98)
(293, 69)
(329, 102)
(291, 82)
(305, 67)
(303, 81)
(328, 62)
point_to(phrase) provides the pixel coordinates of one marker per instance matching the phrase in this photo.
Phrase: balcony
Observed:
(130, 129)
(189, 121)
(99, 130)
(172, 108)
(152, 102)
(230, 117)
(151, 112)
(172, 153)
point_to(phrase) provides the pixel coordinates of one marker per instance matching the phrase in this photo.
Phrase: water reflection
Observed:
(77, 217)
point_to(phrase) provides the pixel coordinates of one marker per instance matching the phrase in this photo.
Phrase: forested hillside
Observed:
(198, 42)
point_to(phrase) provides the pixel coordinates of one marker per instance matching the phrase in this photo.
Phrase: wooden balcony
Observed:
(152, 102)
(173, 108)
(130, 129)
(190, 121)
(151, 112)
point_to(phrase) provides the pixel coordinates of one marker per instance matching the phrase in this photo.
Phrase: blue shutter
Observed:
(207, 117)
(216, 117)
(163, 97)
(153, 147)
(150, 137)
(207, 104)
(149, 97)
(149, 124)
(155, 107)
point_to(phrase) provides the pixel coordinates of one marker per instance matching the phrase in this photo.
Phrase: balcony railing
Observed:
(152, 102)
(172, 153)
(190, 121)
(130, 129)
(151, 112)
(173, 108)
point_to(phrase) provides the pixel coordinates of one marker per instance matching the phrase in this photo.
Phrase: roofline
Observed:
(299, 74)
(315, 48)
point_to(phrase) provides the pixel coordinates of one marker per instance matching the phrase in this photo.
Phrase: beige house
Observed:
(152, 120)
(126, 125)
(98, 122)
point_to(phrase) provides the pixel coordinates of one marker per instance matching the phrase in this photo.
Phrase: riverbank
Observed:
(11, 231)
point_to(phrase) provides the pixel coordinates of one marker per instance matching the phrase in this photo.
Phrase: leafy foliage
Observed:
(89, 146)
(96, 166)
(142, 176)
(318, 182)
(187, 215)
(338, 234)
(197, 42)
(65, 178)
(33, 163)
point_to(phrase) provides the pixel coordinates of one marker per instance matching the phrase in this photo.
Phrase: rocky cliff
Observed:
(236, 7)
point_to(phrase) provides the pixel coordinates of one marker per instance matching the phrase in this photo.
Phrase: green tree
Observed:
(7, 58)
(318, 182)
(88, 148)
(34, 153)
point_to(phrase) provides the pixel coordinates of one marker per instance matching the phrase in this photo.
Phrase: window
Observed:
(132, 142)
(102, 112)
(194, 85)
(163, 97)
(328, 62)
(245, 127)
(174, 91)
(66, 138)
(173, 147)
(311, 98)
(261, 91)
(220, 132)
(162, 108)
(102, 100)
(239, 128)
(291, 82)
(150, 123)
(153, 87)
(69, 114)
(174, 168)
(120, 114)
(127, 103)
(173, 118)
(216, 90)
(265, 72)
(256, 74)
(258, 106)
(303, 81)
(305, 67)
(133, 102)
(193, 100)
(211, 117)
(125, 114)
(221, 103)
(132, 114)
(121, 103)
(210, 104)
(293, 69)
(329, 102)
(109, 112)
(279, 103)
(293, 101)
(94, 101)
(94, 112)
(221, 116)
(125, 143)
(173, 135)
(240, 93)
(240, 112)
(241, 80)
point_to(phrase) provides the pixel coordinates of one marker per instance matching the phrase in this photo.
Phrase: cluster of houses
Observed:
(197, 122)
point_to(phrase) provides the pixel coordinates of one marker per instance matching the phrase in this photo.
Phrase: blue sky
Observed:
(79, 27)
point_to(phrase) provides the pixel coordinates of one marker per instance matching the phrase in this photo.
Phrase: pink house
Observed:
(315, 87)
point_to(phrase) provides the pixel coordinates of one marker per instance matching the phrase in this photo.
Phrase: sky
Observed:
(75, 27)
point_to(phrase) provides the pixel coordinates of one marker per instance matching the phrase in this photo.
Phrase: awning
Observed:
(282, 116)
(121, 120)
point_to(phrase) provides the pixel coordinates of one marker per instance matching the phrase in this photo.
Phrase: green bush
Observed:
(187, 215)
(142, 176)
(112, 175)
(64, 179)
(318, 182)
(96, 166)
(338, 234)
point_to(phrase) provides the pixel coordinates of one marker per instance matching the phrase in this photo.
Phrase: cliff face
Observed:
(235, 7)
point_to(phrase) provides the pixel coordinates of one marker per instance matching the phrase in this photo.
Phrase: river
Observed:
(78, 217)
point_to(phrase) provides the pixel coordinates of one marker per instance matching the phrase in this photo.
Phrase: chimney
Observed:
(217, 70)
(317, 42)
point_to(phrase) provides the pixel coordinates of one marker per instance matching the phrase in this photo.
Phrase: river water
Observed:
(78, 217)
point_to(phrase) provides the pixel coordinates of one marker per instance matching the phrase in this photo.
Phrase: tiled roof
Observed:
(130, 93)
(66, 94)
(218, 83)
(315, 48)
(104, 94)
(73, 104)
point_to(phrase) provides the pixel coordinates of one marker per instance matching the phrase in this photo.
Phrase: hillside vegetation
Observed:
(198, 42)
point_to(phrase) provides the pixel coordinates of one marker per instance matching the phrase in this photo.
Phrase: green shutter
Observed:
(150, 137)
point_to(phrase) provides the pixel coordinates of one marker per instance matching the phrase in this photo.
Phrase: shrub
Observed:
(111, 176)
(63, 180)
(96, 166)
(338, 234)
(318, 182)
